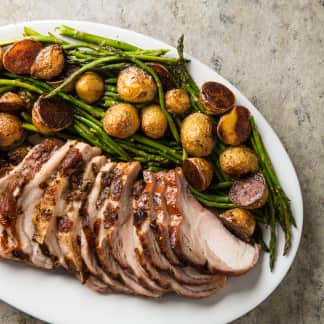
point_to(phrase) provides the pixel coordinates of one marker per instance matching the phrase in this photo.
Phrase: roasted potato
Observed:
(90, 87)
(51, 115)
(27, 99)
(154, 123)
(20, 57)
(177, 101)
(251, 192)
(238, 161)
(234, 127)
(121, 120)
(239, 221)
(49, 63)
(163, 74)
(10, 102)
(11, 130)
(198, 172)
(197, 135)
(55, 82)
(135, 85)
(216, 98)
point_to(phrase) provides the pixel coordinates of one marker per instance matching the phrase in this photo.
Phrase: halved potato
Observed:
(238, 161)
(198, 172)
(10, 102)
(20, 57)
(239, 221)
(51, 115)
(164, 75)
(250, 193)
(49, 63)
(234, 127)
(216, 98)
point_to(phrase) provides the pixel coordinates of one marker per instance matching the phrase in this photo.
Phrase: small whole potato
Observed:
(11, 102)
(154, 123)
(177, 101)
(90, 87)
(198, 172)
(197, 135)
(49, 63)
(121, 120)
(135, 85)
(238, 161)
(11, 130)
(234, 127)
(240, 221)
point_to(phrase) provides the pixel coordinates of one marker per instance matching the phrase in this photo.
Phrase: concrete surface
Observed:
(273, 51)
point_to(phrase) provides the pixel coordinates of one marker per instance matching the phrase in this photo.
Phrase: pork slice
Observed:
(31, 196)
(161, 220)
(89, 232)
(76, 178)
(109, 217)
(163, 213)
(140, 199)
(11, 189)
(202, 239)
(166, 274)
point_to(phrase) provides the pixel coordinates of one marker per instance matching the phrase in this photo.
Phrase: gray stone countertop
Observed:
(273, 51)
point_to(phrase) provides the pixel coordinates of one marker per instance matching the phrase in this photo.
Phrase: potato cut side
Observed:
(20, 57)
(234, 128)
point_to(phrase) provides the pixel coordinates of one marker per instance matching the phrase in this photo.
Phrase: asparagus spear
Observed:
(94, 39)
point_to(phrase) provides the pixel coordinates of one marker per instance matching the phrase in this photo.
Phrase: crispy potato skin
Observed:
(10, 102)
(234, 127)
(238, 161)
(198, 172)
(177, 101)
(135, 85)
(216, 98)
(197, 135)
(90, 87)
(164, 75)
(51, 115)
(250, 193)
(11, 130)
(20, 57)
(239, 221)
(121, 120)
(153, 122)
(49, 63)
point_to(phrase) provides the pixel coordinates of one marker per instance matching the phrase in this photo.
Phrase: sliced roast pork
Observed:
(67, 205)
(13, 186)
(28, 201)
(75, 176)
(198, 236)
(89, 213)
(161, 210)
(163, 273)
(114, 232)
